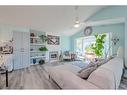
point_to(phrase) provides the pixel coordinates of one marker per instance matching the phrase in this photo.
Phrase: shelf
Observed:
(34, 64)
(34, 44)
(37, 57)
(34, 37)
(37, 52)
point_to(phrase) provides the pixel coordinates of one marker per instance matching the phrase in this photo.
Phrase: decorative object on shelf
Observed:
(115, 40)
(43, 49)
(61, 56)
(53, 40)
(88, 31)
(98, 46)
(34, 61)
(43, 38)
(32, 34)
(41, 62)
(31, 49)
(33, 38)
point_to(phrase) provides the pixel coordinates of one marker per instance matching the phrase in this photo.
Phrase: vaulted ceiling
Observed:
(55, 19)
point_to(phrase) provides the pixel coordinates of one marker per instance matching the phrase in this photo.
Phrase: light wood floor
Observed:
(33, 77)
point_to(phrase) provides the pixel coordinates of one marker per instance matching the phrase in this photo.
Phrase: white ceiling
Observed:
(54, 19)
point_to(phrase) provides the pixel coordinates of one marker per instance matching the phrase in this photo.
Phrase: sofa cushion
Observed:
(102, 78)
(91, 64)
(103, 61)
(116, 67)
(67, 67)
(108, 75)
(98, 63)
(68, 80)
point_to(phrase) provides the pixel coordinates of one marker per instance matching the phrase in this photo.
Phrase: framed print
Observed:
(53, 40)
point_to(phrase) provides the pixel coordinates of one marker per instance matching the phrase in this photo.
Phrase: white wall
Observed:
(6, 32)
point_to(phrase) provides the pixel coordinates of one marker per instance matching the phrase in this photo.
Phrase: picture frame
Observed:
(53, 40)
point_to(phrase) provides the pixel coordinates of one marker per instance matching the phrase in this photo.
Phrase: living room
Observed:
(50, 43)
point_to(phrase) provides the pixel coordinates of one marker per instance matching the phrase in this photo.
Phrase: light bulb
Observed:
(77, 24)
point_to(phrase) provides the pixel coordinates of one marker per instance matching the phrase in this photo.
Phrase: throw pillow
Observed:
(86, 72)
(100, 62)
(91, 64)
(103, 61)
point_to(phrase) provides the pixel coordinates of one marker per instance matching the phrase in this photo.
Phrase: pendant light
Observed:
(77, 22)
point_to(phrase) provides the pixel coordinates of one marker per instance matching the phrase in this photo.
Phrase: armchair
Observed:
(67, 55)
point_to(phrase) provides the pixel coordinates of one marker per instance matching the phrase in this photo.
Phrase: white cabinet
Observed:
(21, 52)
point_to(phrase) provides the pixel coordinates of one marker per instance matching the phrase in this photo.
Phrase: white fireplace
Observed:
(53, 55)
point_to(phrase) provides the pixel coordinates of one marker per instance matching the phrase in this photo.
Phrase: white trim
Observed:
(105, 22)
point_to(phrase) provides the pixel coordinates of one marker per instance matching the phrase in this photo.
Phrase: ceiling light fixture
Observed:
(77, 22)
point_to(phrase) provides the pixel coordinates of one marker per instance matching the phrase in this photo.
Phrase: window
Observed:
(83, 43)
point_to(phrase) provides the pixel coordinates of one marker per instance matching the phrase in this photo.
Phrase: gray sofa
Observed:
(107, 76)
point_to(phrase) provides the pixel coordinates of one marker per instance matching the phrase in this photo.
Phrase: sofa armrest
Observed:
(68, 80)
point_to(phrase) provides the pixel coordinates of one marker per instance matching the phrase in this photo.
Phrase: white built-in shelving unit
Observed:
(35, 44)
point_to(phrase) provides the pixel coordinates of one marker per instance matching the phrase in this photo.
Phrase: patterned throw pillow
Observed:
(86, 72)
(91, 64)
(103, 61)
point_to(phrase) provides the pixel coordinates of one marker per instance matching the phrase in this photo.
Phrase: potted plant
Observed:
(98, 46)
(43, 38)
(43, 49)
(41, 62)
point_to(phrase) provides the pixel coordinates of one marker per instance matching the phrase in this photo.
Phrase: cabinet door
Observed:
(17, 60)
(26, 41)
(25, 59)
(26, 49)
(17, 37)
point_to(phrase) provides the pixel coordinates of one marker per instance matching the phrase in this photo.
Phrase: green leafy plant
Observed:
(43, 49)
(43, 38)
(98, 46)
